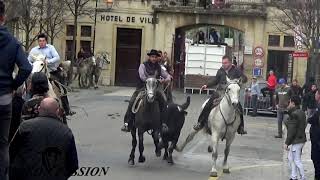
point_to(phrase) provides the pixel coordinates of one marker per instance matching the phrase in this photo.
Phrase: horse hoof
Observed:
(226, 171)
(170, 161)
(213, 174)
(210, 149)
(165, 157)
(158, 153)
(131, 162)
(142, 159)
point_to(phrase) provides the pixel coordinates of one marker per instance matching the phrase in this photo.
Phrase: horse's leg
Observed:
(142, 159)
(226, 154)
(171, 148)
(215, 143)
(134, 145)
(165, 145)
(155, 136)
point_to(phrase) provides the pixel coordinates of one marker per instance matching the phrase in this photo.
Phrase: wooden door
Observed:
(128, 56)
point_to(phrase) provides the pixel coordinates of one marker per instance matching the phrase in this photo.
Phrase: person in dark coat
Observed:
(296, 136)
(227, 70)
(39, 89)
(17, 104)
(306, 88)
(310, 101)
(11, 54)
(43, 148)
(314, 120)
(295, 89)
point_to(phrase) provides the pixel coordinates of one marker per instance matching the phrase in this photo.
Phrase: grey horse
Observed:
(95, 68)
(90, 68)
(147, 117)
(223, 123)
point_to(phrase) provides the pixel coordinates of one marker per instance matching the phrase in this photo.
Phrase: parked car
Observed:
(263, 102)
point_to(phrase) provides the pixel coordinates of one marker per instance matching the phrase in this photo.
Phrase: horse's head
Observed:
(151, 87)
(104, 57)
(39, 63)
(233, 91)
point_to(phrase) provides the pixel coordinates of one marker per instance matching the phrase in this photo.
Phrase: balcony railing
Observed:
(245, 1)
(231, 7)
(212, 3)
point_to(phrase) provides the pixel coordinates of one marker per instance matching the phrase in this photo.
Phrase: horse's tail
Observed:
(186, 104)
(187, 141)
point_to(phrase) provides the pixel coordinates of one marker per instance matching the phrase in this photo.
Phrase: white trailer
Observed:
(202, 62)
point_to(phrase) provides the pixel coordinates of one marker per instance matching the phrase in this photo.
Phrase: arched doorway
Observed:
(202, 34)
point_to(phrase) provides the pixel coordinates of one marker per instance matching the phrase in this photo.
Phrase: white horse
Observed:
(39, 65)
(223, 122)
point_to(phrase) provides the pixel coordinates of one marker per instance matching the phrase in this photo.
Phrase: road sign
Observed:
(257, 71)
(258, 51)
(258, 62)
(300, 54)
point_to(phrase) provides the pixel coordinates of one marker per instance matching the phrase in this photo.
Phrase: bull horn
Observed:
(186, 104)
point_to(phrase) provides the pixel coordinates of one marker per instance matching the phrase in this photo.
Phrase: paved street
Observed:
(100, 143)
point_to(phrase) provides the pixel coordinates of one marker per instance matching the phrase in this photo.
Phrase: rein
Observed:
(227, 96)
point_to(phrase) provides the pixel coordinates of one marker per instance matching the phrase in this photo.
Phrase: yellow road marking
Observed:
(216, 178)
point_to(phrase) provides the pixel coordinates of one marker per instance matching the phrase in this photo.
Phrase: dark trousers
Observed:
(316, 164)
(271, 92)
(203, 118)
(315, 149)
(129, 116)
(254, 101)
(56, 76)
(5, 119)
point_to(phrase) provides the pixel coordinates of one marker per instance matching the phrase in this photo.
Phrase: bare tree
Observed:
(77, 8)
(28, 21)
(53, 22)
(302, 18)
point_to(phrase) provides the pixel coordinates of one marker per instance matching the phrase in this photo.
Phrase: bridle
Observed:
(227, 95)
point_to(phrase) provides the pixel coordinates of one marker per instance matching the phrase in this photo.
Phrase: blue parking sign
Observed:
(257, 71)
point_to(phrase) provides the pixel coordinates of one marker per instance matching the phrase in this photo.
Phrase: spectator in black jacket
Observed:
(315, 137)
(43, 148)
(295, 90)
(11, 54)
(310, 102)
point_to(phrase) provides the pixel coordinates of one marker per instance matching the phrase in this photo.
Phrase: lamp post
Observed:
(94, 28)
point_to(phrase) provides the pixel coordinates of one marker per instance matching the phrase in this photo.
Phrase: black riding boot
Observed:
(241, 126)
(204, 115)
(129, 116)
(163, 111)
(205, 112)
(66, 106)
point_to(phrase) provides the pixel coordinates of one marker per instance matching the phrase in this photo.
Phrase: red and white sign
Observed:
(258, 51)
(300, 54)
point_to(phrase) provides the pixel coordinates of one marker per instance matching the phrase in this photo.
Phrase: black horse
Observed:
(147, 118)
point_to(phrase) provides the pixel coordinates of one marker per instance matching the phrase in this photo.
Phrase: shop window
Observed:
(86, 45)
(288, 41)
(274, 40)
(69, 49)
(86, 31)
(70, 30)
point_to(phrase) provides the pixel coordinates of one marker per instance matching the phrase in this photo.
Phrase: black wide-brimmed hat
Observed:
(153, 52)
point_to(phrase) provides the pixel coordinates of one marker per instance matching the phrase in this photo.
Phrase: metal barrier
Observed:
(263, 104)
